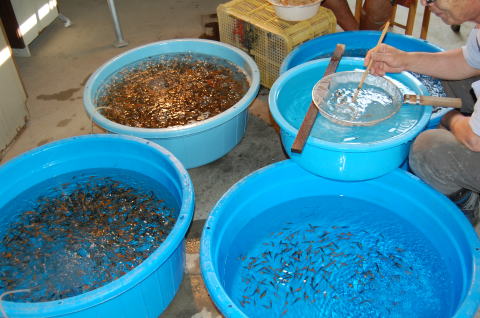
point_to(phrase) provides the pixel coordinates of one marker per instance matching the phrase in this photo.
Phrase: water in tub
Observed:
(336, 257)
(79, 231)
(433, 85)
(404, 120)
(372, 104)
(173, 89)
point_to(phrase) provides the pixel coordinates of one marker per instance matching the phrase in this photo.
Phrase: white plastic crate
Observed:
(252, 25)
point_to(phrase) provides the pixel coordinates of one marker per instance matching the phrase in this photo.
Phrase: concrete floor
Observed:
(63, 59)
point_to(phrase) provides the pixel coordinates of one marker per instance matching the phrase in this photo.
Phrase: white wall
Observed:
(34, 15)
(13, 111)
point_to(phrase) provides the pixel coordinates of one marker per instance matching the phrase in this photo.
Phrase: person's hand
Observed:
(459, 125)
(386, 59)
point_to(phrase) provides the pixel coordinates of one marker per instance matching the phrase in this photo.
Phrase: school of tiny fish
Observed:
(433, 85)
(79, 237)
(311, 266)
(172, 90)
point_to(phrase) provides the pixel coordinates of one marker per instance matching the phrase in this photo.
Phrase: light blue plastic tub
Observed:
(146, 290)
(401, 194)
(289, 100)
(357, 42)
(195, 144)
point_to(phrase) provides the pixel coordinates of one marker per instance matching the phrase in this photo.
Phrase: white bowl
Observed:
(295, 12)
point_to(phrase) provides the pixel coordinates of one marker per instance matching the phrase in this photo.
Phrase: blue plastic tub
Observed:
(326, 153)
(250, 213)
(146, 290)
(357, 43)
(194, 144)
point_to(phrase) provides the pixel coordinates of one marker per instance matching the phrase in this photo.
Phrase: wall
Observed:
(33, 15)
(13, 110)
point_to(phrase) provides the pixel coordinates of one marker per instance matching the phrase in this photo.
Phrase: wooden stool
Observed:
(412, 9)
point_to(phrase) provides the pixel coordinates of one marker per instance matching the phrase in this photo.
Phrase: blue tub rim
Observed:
(308, 51)
(350, 147)
(285, 66)
(228, 307)
(139, 273)
(190, 129)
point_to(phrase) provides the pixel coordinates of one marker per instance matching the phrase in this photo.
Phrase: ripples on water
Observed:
(336, 257)
(404, 120)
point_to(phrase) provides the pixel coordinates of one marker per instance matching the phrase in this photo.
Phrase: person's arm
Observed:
(449, 64)
(459, 125)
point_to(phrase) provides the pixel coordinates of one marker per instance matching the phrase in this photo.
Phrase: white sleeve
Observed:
(475, 118)
(471, 50)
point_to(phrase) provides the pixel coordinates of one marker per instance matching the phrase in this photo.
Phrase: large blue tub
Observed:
(340, 152)
(194, 144)
(146, 290)
(357, 44)
(261, 208)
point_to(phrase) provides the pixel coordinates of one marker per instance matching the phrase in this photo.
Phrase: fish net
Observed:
(377, 100)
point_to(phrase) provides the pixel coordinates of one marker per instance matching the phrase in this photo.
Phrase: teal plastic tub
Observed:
(357, 44)
(146, 290)
(341, 152)
(259, 212)
(194, 144)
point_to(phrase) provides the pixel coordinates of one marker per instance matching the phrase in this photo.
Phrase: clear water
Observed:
(295, 98)
(336, 257)
(372, 104)
(74, 252)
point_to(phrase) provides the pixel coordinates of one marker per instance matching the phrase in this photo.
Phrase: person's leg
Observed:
(343, 14)
(449, 167)
(444, 163)
(375, 13)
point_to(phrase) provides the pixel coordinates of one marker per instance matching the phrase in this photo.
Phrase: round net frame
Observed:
(378, 99)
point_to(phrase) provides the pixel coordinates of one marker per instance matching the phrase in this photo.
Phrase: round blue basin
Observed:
(147, 289)
(357, 44)
(341, 152)
(257, 261)
(193, 144)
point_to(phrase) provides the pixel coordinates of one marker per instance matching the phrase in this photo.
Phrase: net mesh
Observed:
(377, 100)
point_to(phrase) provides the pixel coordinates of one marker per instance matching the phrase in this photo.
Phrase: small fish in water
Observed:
(359, 245)
(268, 306)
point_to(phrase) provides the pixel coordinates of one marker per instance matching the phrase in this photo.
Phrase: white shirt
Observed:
(471, 52)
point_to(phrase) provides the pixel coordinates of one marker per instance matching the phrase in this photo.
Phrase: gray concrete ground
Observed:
(63, 59)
